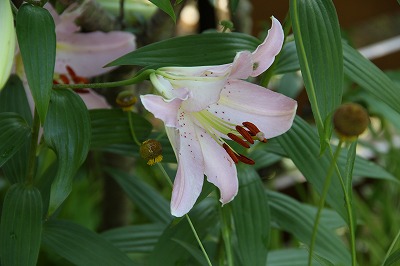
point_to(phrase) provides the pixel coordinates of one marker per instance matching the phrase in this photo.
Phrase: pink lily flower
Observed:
(202, 106)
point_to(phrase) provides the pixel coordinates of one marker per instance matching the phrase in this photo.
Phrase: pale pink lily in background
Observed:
(201, 106)
(86, 53)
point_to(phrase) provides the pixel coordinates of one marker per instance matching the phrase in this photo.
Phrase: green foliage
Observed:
(67, 131)
(21, 226)
(37, 43)
(166, 6)
(317, 35)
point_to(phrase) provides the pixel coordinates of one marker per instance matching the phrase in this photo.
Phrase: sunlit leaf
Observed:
(192, 50)
(81, 246)
(67, 132)
(37, 44)
(14, 133)
(291, 216)
(21, 226)
(135, 238)
(251, 218)
(370, 77)
(317, 35)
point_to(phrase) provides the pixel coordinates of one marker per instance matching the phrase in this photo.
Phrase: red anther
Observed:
(81, 91)
(55, 82)
(245, 134)
(80, 80)
(245, 160)
(250, 126)
(71, 72)
(64, 79)
(238, 140)
(231, 154)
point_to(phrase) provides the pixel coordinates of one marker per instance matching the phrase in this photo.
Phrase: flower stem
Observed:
(225, 218)
(136, 79)
(322, 200)
(347, 191)
(33, 147)
(187, 218)
(135, 139)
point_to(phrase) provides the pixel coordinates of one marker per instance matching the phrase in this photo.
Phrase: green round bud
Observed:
(350, 120)
(126, 100)
(151, 151)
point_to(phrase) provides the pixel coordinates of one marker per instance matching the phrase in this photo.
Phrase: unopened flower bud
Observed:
(126, 100)
(350, 120)
(151, 151)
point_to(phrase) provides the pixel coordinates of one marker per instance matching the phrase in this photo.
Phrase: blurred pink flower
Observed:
(201, 106)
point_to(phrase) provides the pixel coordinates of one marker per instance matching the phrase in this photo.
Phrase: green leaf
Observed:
(168, 252)
(370, 77)
(286, 257)
(81, 246)
(67, 132)
(301, 145)
(37, 43)
(233, 4)
(166, 6)
(317, 35)
(135, 238)
(147, 199)
(393, 258)
(251, 218)
(21, 226)
(193, 50)
(288, 60)
(111, 126)
(14, 133)
(195, 252)
(293, 217)
(13, 99)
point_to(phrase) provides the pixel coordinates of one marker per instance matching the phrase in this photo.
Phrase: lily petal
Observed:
(241, 101)
(219, 167)
(190, 174)
(167, 111)
(242, 66)
(264, 55)
(87, 53)
(165, 88)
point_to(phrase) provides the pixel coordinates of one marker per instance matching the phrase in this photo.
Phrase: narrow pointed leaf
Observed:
(301, 145)
(81, 246)
(146, 198)
(319, 48)
(13, 99)
(67, 132)
(166, 6)
(251, 218)
(135, 238)
(370, 77)
(111, 126)
(21, 226)
(14, 133)
(393, 259)
(285, 210)
(37, 44)
(286, 257)
(192, 50)
(167, 251)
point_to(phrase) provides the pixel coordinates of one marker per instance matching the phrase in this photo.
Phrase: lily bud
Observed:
(7, 41)
(350, 120)
(126, 100)
(151, 151)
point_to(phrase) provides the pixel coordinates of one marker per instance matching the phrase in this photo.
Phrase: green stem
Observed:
(187, 218)
(391, 248)
(33, 147)
(324, 193)
(135, 139)
(348, 201)
(136, 79)
(225, 218)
